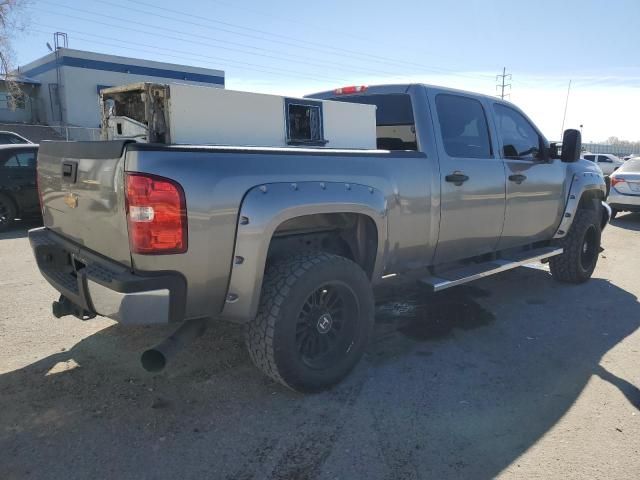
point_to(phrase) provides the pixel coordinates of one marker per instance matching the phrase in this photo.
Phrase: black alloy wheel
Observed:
(324, 330)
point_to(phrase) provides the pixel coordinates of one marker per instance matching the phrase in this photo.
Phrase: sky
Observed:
(296, 47)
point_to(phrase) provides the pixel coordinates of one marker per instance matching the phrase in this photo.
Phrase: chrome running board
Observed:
(469, 273)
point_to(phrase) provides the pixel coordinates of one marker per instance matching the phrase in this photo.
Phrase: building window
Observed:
(304, 122)
(11, 102)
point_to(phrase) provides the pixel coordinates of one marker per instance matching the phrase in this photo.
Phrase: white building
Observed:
(69, 82)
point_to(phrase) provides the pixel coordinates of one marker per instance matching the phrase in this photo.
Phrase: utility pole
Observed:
(502, 85)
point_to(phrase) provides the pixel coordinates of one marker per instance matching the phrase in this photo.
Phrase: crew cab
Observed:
(291, 241)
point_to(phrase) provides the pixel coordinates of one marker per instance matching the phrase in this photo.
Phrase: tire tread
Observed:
(278, 280)
(565, 267)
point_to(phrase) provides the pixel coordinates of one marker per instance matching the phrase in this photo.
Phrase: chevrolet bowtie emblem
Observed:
(71, 199)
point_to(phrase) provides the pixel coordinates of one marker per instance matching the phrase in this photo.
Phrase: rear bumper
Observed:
(625, 207)
(621, 201)
(104, 287)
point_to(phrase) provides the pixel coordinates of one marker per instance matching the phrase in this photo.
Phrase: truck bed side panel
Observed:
(216, 180)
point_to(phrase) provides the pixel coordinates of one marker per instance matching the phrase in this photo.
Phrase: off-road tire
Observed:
(7, 212)
(273, 335)
(577, 263)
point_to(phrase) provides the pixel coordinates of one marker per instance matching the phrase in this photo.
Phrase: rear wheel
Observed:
(581, 249)
(7, 212)
(314, 321)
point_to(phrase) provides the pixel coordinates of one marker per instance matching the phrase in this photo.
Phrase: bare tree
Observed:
(12, 21)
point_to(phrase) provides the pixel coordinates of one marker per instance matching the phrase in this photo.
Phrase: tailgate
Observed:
(81, 184)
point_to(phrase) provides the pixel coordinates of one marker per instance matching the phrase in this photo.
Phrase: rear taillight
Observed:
(616, 180)
(156, 214)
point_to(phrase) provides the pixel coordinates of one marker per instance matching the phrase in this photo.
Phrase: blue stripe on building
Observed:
(123, 68)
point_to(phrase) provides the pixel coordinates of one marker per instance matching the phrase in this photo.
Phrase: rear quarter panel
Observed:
(216, 181)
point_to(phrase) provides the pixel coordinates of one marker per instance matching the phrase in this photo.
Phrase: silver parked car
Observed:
(12, 138)
(625, 188)
(608, 163)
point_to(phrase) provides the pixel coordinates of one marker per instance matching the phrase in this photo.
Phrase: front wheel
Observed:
(314, 321)
(581, 249)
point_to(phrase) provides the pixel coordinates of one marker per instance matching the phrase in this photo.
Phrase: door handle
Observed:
(518, 178)
(457, 178)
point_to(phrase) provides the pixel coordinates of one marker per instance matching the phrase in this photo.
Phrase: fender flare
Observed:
(267, 206)
(580, 184)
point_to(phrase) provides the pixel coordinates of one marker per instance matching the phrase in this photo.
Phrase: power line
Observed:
(281, 18)
(332, 50)
(324, 48)
(299, 60)
(187, 55)
(305, 59)
(502, 85)
(297, 42)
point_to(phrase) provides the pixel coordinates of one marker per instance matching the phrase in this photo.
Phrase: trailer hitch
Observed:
(63, 307)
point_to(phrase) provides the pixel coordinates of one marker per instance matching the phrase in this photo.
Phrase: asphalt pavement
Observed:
(513, 376)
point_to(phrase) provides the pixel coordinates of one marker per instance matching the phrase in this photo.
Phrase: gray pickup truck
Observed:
(291, 241)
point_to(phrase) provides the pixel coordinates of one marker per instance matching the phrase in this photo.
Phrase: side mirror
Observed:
(571, 145)
(555, 149)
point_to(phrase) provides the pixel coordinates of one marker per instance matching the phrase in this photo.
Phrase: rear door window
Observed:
(463, 125)
(395, 127)
(19, 160)
(590, 157)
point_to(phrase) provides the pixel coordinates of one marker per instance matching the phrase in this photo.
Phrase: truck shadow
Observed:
(430, 400)
(629, 221)
(19, 229)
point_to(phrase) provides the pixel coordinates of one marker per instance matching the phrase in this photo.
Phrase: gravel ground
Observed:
(515, 376)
